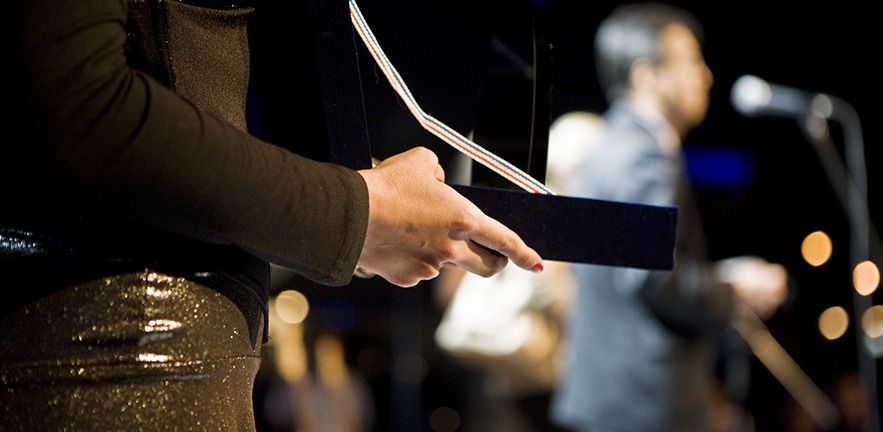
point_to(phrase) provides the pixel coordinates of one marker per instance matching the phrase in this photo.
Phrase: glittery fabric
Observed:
(136, 352)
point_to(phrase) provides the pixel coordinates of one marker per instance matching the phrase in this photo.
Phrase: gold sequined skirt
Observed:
(135, 352)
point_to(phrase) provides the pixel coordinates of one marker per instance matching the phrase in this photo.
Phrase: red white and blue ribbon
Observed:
(439, 129)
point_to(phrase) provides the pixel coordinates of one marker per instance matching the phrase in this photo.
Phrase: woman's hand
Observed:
(417, 224)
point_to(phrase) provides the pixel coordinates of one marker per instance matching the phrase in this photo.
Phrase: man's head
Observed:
(653, 53)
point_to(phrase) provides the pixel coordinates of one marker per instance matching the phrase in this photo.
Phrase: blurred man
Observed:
(643, 342)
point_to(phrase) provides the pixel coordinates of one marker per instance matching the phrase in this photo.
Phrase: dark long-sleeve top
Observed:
(95, 136)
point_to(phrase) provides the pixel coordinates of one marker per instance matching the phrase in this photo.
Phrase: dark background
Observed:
(443, 50)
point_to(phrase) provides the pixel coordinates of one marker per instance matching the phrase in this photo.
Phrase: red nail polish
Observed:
(537, 268)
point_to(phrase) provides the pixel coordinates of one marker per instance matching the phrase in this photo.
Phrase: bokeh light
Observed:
(872, 321)
(816, 248)
(872, 325)
(866, 278)
(292, 306)
(444, 419)
(410, 368)
(833, 322)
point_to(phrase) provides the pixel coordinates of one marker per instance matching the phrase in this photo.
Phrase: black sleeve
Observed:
(90, 129)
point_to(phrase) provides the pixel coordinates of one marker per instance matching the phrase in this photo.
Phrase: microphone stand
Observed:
(850, 184)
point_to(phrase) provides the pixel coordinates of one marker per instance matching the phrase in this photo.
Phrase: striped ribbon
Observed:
(439, 129)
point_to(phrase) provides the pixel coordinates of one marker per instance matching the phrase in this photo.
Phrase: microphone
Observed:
(752, 96)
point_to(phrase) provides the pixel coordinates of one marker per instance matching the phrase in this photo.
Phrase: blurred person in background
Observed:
(643, 343)
(515, 309)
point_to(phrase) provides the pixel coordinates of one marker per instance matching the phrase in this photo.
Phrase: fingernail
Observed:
(537, 268)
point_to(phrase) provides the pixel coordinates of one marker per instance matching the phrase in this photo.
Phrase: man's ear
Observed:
(642, 75)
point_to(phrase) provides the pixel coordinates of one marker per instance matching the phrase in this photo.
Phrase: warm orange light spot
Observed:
(866, 278)
(833, 322)
(816, 248)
